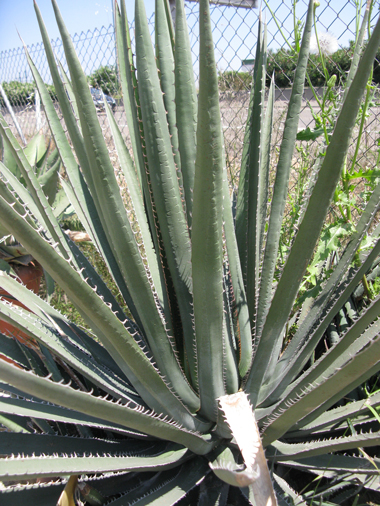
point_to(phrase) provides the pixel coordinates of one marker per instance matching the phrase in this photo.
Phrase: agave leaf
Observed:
(43, 495)
(11, 350)
(333, 465)
(207, 252)
(35, 362)
(50, 364)
(25, 467)
(326, 314)
(134, 120)
(282, 176)
(51, 317)
(129, 88)
(125, 415)
(174, 488)
(121, 237)
(63, 147)
(62, 207)
(67, 352)
(267, 131)
(284, 487)
(81, 199)
(134, 192)
(36, 151)
(9, 160)
(239, 306)
(64, 446)
(264, 308)
(65, 105)
(49, 182)
(41, 410)
(250, 157)
(120, 234)
(256, 219)
(279, 451)
(186, 105)
(139, 485)
(169, 21)
(69, 90)
(231, 346)
(11, 424)
(356, 366)
(247, 492)
(21, 192)
(357, 410)
(165, 65)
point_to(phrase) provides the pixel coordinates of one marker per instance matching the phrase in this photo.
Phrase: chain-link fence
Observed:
(234, 31)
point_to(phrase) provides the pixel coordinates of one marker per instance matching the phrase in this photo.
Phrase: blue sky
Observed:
(79, 15)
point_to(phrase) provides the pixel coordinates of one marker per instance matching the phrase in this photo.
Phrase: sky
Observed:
(83, 15)
(234, 29)
(79, 16)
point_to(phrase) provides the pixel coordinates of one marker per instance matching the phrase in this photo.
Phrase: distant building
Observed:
(247, 65)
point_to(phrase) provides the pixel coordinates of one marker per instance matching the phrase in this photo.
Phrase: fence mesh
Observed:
(234, 31)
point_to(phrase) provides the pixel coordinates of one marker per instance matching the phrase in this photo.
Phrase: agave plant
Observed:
(194, 394)
(46, 169)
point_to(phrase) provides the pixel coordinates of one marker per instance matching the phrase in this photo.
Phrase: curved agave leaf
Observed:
(330, 464)
(125, 415)
(75, 461)
(40, 411)
(289, 492)
(79, 193)
(357, 410)
(128, 85)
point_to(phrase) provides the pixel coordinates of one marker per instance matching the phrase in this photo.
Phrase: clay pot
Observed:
(30, 275)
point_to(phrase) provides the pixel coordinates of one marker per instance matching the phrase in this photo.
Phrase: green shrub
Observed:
(20, 94)
(105, 78)
(234, 81)
(283, 64)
